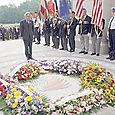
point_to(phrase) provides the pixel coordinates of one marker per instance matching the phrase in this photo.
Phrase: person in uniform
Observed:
(27, 30)
(72, 31)
(84, 31)
(111, 30)
(96, 37)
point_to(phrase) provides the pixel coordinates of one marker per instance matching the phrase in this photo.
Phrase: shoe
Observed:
(112, 58)
(97, 55)
(93, 54)
(81, 52)
(37, 43)
(62, 49)
(33, 59)
(85, 52)
(108, 57)
(72, 51)
(28, 58)
(45, 44)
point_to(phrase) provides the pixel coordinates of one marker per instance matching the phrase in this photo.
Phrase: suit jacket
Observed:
(97, 28)
(85, 26)
(56, 30)
(27, 29)
(73, 26)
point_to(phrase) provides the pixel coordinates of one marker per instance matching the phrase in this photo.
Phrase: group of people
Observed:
(7, 33)
(64, 32)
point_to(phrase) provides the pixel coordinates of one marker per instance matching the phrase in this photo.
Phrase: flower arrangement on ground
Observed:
(95, 76)
(80, 105)
(68, 67)
(20, 102)
(27, 71)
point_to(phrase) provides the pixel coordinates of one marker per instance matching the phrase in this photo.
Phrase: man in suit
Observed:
(47, 31)
(96, 35)
(63, 35)
(72, 31)
(27, 30)
(111, 29)
(84, 30)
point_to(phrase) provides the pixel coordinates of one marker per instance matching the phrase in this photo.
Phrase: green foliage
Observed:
(12, 14)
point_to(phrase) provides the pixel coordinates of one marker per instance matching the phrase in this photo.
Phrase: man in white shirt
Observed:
(111, 28)
(36, 21)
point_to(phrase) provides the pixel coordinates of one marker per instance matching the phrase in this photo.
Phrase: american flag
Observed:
(79, 7)
(97, 13)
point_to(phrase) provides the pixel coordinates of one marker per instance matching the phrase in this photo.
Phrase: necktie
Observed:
(111, 22)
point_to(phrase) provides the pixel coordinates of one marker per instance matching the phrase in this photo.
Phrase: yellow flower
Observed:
(8, 96)
(99, 80)
(38, 98)
(30, 76)
(15, 104)
(13, 89)
(30, 89)
(17, 94)
(28, 98)
(107, 91)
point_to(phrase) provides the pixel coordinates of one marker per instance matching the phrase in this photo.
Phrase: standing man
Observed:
(96, 36)
(111, 29)
(37, 28)
(84, 30)
(72, 31)
(27, 30)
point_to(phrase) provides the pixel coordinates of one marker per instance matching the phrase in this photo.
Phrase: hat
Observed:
(113, 9)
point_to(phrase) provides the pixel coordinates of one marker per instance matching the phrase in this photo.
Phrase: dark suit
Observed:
(72, 33)
(84, 29)
(27, 30)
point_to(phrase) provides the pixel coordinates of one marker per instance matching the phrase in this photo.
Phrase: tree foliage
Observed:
(13, 14)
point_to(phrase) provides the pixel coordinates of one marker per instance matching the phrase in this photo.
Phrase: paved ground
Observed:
(12, 54)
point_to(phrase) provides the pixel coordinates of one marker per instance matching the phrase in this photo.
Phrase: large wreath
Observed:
(97, 89)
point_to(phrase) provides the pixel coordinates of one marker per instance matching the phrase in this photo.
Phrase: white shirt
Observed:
(37, 24)
(112, 26)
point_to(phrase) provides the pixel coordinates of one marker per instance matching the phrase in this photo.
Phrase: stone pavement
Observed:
(12, 54)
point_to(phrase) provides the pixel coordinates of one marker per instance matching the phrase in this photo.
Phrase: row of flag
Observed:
(49, 7)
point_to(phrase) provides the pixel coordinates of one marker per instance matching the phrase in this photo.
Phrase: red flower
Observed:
(1, 88)
(27, 71)
(0, 83)
(19, 77)
(25, 77)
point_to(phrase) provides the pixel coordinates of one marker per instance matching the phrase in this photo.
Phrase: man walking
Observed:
(27, 30)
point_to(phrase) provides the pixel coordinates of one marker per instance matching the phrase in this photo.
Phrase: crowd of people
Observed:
(63, 32)
(7, 33)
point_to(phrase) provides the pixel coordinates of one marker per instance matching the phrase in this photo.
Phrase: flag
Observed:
(64, 9)
(97, 13)
(79, 7)
(51, 9)
(43, 9)
(56, 5)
